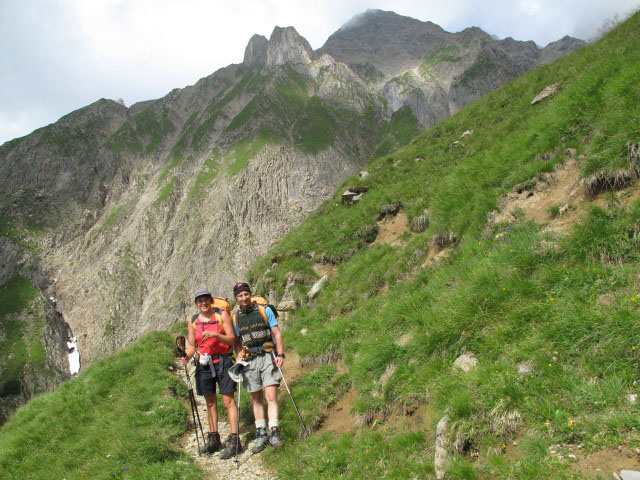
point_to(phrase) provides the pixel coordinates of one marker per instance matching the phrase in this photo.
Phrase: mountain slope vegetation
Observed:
(117, 212)
(519, 296)
(550, 316)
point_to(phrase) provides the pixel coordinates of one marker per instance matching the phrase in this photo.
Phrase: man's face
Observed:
(243, 299)
(203, 303)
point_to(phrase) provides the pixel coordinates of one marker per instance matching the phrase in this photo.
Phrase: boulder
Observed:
(287, 305)
(465, 362)
(442, 446)
(350, 197)
(525, 368)
(546, 92)
(317, 287)
(629, 475)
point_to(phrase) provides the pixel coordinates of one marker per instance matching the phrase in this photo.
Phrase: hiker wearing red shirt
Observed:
(211, 338)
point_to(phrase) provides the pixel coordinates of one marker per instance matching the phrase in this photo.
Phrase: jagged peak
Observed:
(256, 51)
(287, 45)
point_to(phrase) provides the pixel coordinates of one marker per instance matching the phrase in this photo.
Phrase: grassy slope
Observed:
(120, 418)
(501, 297)
(16, 295)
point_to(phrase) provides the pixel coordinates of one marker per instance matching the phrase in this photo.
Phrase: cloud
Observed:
(59, 55)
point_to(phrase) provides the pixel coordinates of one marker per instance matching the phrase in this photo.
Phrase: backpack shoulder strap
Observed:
(263, 313)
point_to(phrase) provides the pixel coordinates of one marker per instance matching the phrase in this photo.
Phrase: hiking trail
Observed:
(249, 466)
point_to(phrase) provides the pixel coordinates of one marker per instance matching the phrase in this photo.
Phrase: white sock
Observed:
(273, 423)
(261, 423)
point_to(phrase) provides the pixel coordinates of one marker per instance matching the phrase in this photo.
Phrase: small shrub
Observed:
(444, 239)
(603, 181)
(420, 223)
(368, 233)
(389, 209)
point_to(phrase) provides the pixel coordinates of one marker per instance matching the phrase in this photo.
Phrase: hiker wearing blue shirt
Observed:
(260, 345)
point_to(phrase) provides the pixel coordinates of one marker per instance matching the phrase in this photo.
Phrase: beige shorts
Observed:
(260, 373)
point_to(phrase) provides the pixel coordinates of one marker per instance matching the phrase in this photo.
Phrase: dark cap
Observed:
(201, 292)
(241, 287)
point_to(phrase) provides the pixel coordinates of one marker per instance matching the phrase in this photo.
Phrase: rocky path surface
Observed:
(248, 466)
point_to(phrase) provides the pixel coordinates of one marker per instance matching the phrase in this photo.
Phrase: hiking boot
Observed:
(213, 442)
(226, 440)
(230, 446)
(274, 437)
(261, 440)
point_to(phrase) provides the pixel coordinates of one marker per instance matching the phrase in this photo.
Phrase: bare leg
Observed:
(232, 411)
(212, 412)
(270, 394)
(256, 404)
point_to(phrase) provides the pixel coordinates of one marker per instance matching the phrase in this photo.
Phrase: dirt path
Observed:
(248, 467)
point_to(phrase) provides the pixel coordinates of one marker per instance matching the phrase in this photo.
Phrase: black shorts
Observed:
(205, 385)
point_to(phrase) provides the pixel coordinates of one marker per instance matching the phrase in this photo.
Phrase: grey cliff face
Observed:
(255, 54)
(287, 46)
(137, 207)
(434, 72)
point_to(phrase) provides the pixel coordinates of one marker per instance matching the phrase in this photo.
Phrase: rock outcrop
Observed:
(434, 72)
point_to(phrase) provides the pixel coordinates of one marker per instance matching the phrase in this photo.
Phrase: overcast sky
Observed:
(60, 55)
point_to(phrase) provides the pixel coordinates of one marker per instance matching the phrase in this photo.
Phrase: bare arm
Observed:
(277, 336)
(191, 349)
(229, 337)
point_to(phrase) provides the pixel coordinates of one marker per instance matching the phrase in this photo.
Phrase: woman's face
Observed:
(203, 303)
(243, 298)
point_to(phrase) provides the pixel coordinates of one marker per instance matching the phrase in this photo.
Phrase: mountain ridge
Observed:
(120, 213)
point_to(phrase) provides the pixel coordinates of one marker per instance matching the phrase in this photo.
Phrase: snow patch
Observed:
(74, 356)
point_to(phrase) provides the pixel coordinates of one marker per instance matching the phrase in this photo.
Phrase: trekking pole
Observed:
(180, 344)
(304, 427)
(238, 439)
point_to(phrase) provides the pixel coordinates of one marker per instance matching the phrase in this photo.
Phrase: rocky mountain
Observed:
(117, 214)
(420, 65)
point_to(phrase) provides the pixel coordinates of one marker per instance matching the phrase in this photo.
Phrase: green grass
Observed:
(119, 419)
(9, 230)
(249, 82)
(245, 150)
(144, 132)
(115, 215)
(205, 176)
(286, 108)
(15, 296)
(500, 294)
(166, 191)
(444, 53)
(398, 132)
(480, 68)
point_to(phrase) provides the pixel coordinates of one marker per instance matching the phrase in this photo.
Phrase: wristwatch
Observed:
(281, 355)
